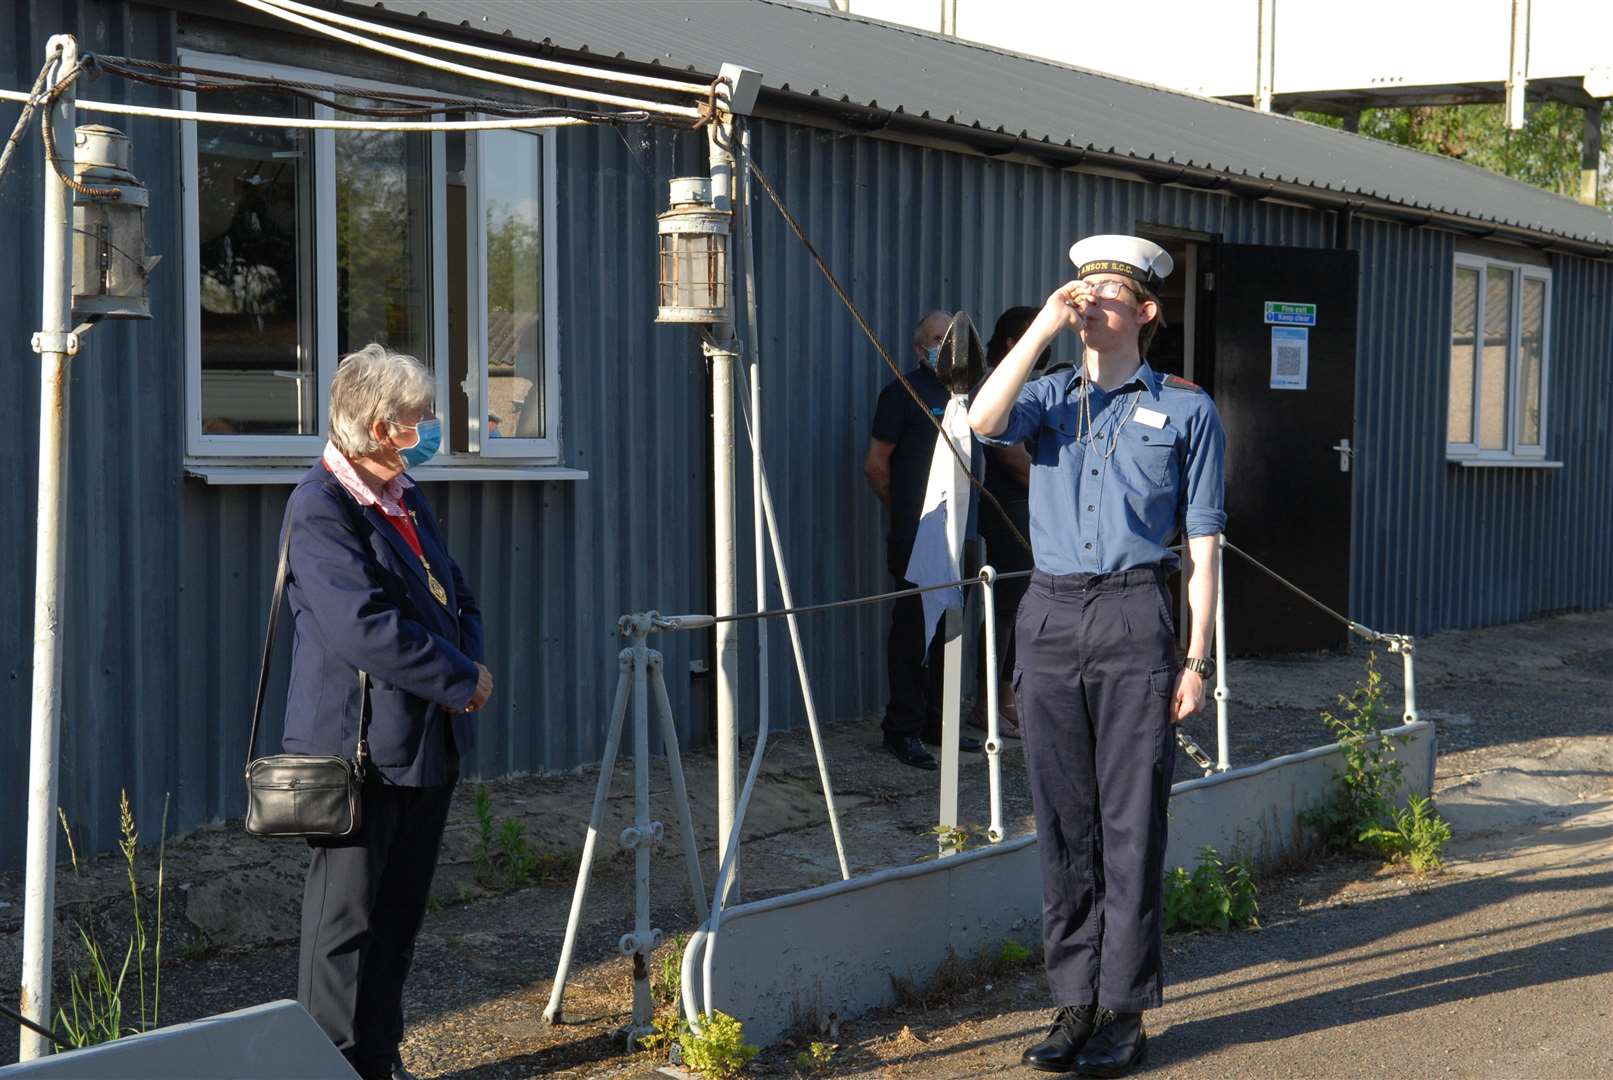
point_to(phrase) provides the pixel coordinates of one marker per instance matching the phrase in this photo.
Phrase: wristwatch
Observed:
(1205, 669)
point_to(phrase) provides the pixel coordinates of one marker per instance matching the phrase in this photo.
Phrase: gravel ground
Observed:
(484, 962)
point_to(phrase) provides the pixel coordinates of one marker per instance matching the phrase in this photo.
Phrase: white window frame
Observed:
(211, 455)
(546, 448)
(1513, 453)
(323, 180)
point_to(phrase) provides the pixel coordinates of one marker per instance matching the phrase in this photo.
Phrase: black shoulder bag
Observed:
(303, 794)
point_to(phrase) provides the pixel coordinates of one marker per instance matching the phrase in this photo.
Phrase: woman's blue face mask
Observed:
(428, 439)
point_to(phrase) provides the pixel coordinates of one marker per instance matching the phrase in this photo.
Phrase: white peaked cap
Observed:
(1115, 254)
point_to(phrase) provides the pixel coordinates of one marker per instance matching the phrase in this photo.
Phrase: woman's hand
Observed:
(484, 688)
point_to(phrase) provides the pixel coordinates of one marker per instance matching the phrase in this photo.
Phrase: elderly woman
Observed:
(372, 588)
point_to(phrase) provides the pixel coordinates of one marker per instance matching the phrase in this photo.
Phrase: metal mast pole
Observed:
(54, 344)
(722, 349)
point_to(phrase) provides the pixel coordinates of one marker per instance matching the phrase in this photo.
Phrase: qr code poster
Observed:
(1290, 357)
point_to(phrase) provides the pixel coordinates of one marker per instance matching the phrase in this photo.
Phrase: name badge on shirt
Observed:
(1150, 417)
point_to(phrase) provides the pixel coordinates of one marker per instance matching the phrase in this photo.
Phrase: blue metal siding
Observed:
(169, 578)
(121, 618)
(906, 228)
(1438, 546)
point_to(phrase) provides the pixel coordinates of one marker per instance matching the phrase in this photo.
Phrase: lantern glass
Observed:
(694, 270)
(111, 274)
(110, 277)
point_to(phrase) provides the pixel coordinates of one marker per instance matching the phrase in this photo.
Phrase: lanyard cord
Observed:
(1084, 430)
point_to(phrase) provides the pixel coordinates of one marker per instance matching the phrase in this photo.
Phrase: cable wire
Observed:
(856, 313)
(484, 54)
(464, 69)
(47, 129)
(185, 78)
(12, 1014)
(28, 108)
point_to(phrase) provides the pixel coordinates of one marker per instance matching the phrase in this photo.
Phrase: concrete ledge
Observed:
(1253, 812)
(795, 958)
(274, 1041)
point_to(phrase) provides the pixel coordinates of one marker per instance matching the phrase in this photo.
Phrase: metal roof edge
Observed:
(1309, 191)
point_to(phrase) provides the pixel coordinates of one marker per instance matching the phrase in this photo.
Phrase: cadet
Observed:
(1123, 458)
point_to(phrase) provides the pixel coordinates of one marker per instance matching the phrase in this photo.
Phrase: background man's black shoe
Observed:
(1072, 1027)
(1116, 1048)
(909, 750)
(967, 744)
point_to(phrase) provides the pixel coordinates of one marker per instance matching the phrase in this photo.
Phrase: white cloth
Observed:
(944, 518)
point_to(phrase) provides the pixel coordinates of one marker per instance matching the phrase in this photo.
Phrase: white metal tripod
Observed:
(641, 669)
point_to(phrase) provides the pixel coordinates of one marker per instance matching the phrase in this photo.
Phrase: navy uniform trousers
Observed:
(1095, 679)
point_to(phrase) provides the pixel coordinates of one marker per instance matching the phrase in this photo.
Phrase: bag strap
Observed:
(268, 642)
(361, 752)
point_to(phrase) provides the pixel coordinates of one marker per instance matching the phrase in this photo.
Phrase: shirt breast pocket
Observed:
(1057, 438)
(1149, 456)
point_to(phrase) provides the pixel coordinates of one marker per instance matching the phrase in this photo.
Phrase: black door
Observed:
(1283, 378)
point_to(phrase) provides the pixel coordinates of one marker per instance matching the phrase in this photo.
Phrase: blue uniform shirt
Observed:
(1092, 513)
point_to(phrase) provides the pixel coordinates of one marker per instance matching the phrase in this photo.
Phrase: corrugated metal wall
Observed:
(907, 229)
(169, 578)
(128, 653)
(1437, 545)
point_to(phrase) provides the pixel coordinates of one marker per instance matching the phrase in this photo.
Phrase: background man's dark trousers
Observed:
(915, 686)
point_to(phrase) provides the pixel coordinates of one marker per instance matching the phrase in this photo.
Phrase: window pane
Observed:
(1531, 360)
(383, 241)
(456, 266)
(1464, 326)
(253, 214)
(512, 193)
(1497, 341)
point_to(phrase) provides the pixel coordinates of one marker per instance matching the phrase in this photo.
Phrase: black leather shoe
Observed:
(909, 750)
(967, 744)
(1072, 1027)
(1116, 1048)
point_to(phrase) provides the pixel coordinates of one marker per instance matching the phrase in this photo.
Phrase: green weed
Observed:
(1364, 793)
(1217, 895)
(1013, 955)
(95, 1009)
(719, 1052)
(816, 1058)
(504, 856)
(1416, 836)
(950, 840)
(1362, 811)
(666, 980)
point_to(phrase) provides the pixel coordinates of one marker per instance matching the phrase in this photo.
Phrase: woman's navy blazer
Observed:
(360, 600)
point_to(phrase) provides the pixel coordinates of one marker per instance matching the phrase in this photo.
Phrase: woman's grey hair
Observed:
(373, 384)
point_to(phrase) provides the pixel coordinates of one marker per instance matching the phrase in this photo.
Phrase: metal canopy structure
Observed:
(870, 76)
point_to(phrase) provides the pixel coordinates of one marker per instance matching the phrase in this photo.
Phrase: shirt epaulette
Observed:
(1183, 384)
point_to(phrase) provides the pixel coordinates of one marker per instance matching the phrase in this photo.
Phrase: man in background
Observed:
(897, 467)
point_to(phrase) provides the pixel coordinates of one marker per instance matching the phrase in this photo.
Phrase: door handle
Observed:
(1345, 453)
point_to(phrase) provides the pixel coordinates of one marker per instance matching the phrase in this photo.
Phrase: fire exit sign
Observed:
(1281, 313)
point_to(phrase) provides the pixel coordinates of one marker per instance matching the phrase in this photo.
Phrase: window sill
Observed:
(269, 475)
(1504, 463)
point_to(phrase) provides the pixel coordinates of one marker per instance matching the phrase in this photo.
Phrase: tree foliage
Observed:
(1545, 152)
